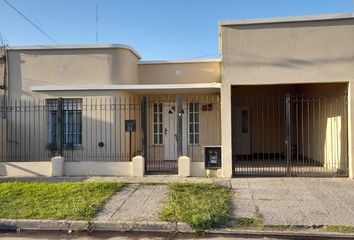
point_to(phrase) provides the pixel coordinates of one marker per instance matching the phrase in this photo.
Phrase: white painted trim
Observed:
(213, 85)
(288, 19)
(181, 61)
(66, 47)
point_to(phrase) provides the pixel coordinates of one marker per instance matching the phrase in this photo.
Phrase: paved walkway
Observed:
(135, 203)
(295, 201)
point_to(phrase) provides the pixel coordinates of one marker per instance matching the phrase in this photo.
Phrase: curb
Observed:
(68, 225)
(146, 226)
(46, 225)
(287, 234)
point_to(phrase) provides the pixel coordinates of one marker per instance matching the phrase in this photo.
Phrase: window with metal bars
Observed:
(71, 122)
(193, 129)
(158, 123)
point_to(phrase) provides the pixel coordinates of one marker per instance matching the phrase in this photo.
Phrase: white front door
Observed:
(170, 130)
(243, 138)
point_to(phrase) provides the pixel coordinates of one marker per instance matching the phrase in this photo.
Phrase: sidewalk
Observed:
(305, 202)
(277, 201)
(295, 201)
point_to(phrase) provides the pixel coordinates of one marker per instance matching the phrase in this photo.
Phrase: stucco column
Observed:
(138, 168)
(184, 166)
(350, 130)
(58, 166)
(226, 149)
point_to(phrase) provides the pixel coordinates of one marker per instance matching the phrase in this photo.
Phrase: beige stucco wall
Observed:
(28, 169)
(197, 169)
(69, 67)
(283, 53)
(179, 73)
(302, 52)
(35, 169)
(98, 168)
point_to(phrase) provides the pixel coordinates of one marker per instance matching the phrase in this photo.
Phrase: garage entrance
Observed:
(290, 130)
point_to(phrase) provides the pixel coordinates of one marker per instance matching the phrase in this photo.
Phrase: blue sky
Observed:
(157, 29)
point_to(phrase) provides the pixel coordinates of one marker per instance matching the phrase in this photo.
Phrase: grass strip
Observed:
(243, 223)
(200, 205)
(338, 229)
(65, 201)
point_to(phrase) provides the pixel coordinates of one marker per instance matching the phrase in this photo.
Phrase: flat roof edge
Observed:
(65, 47)
(212, 85)
(288, 19)
(181, 61)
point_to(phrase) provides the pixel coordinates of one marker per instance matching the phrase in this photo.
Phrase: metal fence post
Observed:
(60, 127)
(179, 126)
(143, 127)
(288, 133)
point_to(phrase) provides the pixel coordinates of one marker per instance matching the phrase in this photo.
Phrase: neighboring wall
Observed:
(283, 53)
(297, 52)
(92, 66)
(179, 73)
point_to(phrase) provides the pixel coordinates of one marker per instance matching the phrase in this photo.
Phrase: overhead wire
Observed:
(31, 22)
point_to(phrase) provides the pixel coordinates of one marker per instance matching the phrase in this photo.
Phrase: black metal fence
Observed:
(290, 135)
(110, 129)
(78, 129)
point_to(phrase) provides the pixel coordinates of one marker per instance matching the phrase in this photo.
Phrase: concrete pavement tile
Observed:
(244, 209)
(296, 217)
(279, 194)
(271, 218)
(341, 218)
(239, 183)
(319, 219)
(115, 202)
(143, 204)
(265, 183)
(242, 194)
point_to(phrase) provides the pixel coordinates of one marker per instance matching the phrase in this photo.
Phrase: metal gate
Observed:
(289, 135)
(161, 120)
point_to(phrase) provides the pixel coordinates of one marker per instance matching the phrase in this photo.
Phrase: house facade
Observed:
(277, 103)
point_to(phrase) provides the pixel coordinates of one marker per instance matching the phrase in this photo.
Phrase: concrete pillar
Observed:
(184, 166)
(226, 152)
(138, 166)
(57, 166)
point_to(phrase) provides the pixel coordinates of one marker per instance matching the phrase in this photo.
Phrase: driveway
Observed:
(295, 201)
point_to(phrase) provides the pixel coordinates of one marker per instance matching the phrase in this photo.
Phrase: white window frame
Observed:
(70, 106)
(193, 121)
(158, 122)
